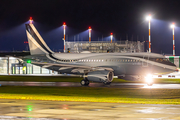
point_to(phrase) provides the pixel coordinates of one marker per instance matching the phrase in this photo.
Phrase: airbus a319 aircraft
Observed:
(96, 67)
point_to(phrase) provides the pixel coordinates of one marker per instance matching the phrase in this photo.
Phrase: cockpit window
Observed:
(159, 60)
(162, 60)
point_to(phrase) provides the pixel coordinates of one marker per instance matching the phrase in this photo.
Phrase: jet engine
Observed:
(100, 76)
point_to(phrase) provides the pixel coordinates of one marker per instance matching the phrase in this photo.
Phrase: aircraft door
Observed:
(144, 62)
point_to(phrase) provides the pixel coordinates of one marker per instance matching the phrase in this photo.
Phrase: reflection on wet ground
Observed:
(71, 84)
(53, 110)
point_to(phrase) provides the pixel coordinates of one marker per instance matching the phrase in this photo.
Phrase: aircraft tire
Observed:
(84, 82)
(87, 82)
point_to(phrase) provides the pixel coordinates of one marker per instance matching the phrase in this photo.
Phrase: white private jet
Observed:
(96, 67)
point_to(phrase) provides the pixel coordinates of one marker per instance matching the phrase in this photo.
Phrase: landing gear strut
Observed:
(84, 82)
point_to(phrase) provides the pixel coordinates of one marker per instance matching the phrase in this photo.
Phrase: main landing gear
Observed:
(84, 82)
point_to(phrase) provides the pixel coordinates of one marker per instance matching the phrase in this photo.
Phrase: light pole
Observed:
(90, 34)
(64, 24)
(149, 19)
(30, 20)
(111, 37)
(173, 26)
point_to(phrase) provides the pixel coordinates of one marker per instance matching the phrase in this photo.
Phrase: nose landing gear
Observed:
(84, 82)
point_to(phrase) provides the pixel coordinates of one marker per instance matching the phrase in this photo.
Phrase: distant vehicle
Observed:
(173, 76)
(159, 75)
(96, 67)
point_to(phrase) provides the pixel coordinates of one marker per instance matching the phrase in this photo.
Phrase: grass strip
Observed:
(40, 78)
(48, 79)
(88, 94)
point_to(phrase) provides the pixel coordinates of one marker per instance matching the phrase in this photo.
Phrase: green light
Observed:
(29, 108)
(28, 61)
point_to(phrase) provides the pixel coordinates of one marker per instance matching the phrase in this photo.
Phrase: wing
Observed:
(71, 68)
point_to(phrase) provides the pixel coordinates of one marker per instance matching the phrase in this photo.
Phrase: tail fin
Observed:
(36, 43)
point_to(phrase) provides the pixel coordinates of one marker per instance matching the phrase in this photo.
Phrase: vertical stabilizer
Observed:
(36, 43)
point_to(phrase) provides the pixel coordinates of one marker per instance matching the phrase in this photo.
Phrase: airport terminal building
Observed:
(105, 46)
(10, 65)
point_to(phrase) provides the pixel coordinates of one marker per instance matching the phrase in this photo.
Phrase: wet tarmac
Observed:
(53, 110)
(71, 84)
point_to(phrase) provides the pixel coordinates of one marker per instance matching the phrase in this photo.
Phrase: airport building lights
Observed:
(30, 20)
(111, 37)
(90, 34)
(173, 26)
(149, 19)
(64, 25)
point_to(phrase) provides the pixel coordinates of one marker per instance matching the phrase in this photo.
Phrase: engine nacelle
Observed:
(100, 76)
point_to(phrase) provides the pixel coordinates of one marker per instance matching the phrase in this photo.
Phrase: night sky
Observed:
(125, 18)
